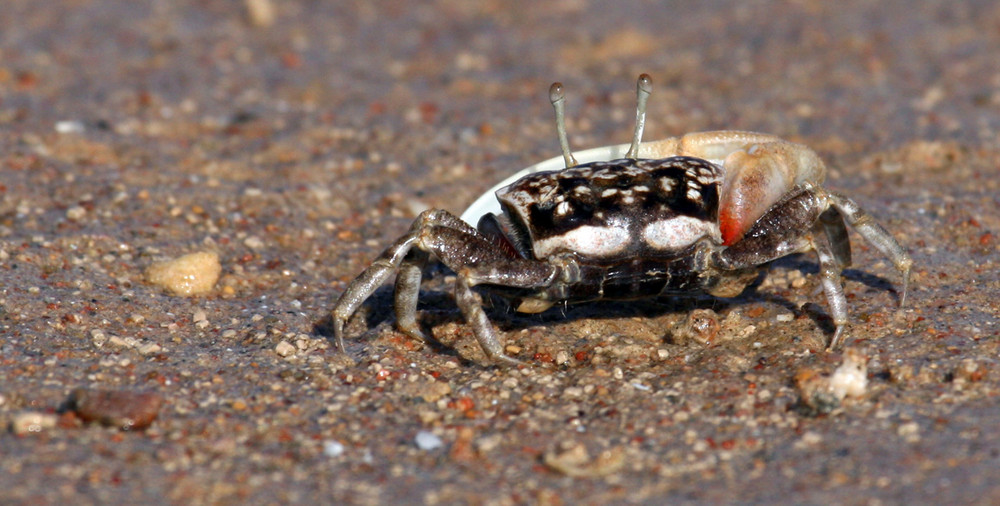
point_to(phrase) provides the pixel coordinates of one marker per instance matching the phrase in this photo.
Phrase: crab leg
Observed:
(457, 245)
(471, 305)
(782, 231)
(877, 236)
(826, 234)
(407, 292)
(836, 233)
(367, 282)
(479, 262)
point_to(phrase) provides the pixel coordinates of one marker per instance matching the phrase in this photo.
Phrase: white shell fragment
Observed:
(851, 378)
(333, 448)
(428, 441)
(819, 393)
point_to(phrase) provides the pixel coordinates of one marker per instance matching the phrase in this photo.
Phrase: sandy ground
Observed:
(297, 147)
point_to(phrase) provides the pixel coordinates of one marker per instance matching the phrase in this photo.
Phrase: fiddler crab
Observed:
(680, 216)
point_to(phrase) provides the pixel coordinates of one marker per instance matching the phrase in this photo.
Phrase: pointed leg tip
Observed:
(905, 290)
(414, 332)
(837, 340)
(509, 361)
(338, 334)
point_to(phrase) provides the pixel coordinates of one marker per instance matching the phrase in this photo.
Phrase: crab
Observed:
(697, 214)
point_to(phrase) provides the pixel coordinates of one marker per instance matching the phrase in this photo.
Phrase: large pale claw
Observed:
(757, 177)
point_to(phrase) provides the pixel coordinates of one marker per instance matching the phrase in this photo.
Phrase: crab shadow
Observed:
(437, 305)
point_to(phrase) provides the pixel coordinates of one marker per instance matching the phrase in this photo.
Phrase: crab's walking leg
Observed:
(365, 284)
(476, 261)
(877, 236)
(471, 306)
(782, 231)
(457, 245)
(828, 240)
(407, 292)
(836, 233)
(393, 259)
(799, 223)
(442, 218)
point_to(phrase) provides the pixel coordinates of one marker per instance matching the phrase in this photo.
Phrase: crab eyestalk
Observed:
(557, 97)
(643, 87)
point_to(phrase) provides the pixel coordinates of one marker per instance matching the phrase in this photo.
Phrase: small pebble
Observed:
(253, 242)
(116, 408)
(851, 378)
(260, 12)
(70, 127)
(909, 431)
(810, 438)
(98, 337)
(428, 441)
(573, 460)
(284, 348)
(700, 326)
(192, 274)
(432, 390)
(819, 394)
(119, 342)
(76, 213)
(333, 449)
(969, 370)
(150, 348)
(489, 443)
(32, 421)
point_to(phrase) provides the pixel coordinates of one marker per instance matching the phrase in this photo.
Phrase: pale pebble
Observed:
(192, 274)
